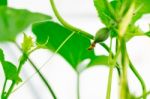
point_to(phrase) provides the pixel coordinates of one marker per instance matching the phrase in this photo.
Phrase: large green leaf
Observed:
(99, 60)
(103, 12)
(75, 49)
(14, 21)
(3, 2)
(116, 4)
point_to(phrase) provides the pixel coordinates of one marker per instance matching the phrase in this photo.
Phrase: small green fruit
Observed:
(101, 35)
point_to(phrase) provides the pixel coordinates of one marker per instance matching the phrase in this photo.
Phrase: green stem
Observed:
(21, 63)
(110, 72)
(3, 2)
(43, 79)
(3, 90)
(108, 49)
(112, 63)
(138, 77)
(105, 47)
(10, 89)
(124, 87)
(78, 85)
(39, 73)
(66, 24)
(109, 82)
(133, 70)
(144, 95)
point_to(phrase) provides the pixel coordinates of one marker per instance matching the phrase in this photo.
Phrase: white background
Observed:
(80, 13)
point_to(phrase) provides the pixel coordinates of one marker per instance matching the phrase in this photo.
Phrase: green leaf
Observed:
(3, 2)
(99, 60)
(10, 71)
(75, 50)
(142, 7)
(103, 11)
(27, 43)
(14, 21)
(147, 33)
(116, 4)
(1, 55)
(133, 31)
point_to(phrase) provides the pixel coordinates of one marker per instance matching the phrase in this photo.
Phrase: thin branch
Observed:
(39, 73)
(144, 95)
(66, 24)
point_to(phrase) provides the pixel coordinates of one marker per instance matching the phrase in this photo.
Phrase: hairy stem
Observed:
(39, 73)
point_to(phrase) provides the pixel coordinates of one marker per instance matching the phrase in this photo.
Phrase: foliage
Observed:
(72, 43)
(14, 21)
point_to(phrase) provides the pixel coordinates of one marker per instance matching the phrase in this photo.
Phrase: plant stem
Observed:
(39, 73)
(66, 24)
(108, 49)
(139, 78)
(109, 82)
(78, 85)
(112, 63)
(3, 90)
(21, 63)
(10, 89)
(105, 47)
(133, 70)
(144, 95)
(3, 2)
(124, 87)
(110, 72)
(43, 79)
